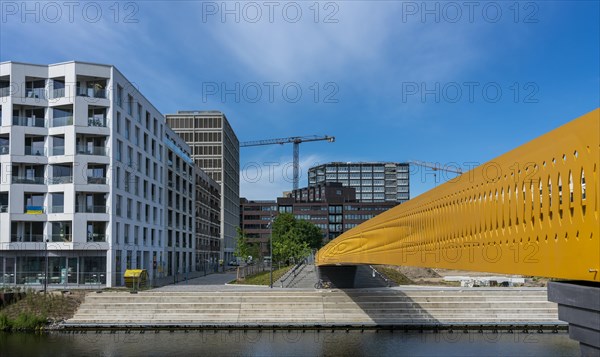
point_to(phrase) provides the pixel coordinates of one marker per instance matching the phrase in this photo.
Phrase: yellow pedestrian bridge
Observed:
(532, 211)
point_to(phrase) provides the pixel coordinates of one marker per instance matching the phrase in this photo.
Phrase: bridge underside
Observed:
(532, 211)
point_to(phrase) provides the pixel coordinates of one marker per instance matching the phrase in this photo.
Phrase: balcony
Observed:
(58, 150)
(5, 92)
(97, 122)
(3, 208)
(56, 209)
(29, 121)
(91, 92)
(26, 237)
(60, 180)
(96, 237)
(39, 93)
(96, 180)
(61, 121)
(35, 150)
(91, 209)
(61, 237)
(4, 149)
(58, 93)
(29, 180)
(94, 150)
(34, 210)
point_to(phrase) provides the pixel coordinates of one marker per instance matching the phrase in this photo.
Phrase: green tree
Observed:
(244, 248)
(310, 233)
(293, 239)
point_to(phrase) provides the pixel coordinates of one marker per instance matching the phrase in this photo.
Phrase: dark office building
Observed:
(330, 206)
(373, 181)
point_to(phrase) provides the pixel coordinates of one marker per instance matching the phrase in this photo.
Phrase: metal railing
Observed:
(60, 237)
(60, 180)
(58, 93)
(24, 238)
(62, 276)
(37, 151)
(96, 180)
(96, 150)
(39, 93)
(56, 209)
(91, 92)
(96, 237)
(292, 274)
(58, 150)
(61, 121)
(97, 122)
(91, 209)
(29, 180)
(29, 121)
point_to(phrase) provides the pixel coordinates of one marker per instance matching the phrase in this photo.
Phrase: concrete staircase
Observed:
(368, 307)
(306, 278)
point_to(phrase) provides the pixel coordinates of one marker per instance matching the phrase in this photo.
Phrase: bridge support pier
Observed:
(579, 305)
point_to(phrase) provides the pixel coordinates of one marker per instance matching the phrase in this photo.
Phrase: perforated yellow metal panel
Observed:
(532, 211)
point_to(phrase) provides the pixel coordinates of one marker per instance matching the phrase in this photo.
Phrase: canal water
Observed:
(288, 343)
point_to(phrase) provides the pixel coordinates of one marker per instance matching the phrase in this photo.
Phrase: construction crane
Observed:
(436, 167)
(296, 140)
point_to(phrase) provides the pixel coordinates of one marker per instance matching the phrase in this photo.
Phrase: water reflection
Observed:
(288, 343)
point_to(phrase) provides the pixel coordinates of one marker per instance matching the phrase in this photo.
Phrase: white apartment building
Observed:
(83, 179)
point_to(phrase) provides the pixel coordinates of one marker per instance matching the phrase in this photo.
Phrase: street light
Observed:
(270, 225)
(46, 270)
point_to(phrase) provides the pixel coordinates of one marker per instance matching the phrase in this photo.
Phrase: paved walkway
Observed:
(211, 282)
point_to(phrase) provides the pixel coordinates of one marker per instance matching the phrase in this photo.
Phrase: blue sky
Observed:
(392, 81)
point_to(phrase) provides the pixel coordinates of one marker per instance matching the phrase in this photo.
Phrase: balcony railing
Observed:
(3, 208)
(26, 237)
(58, 150)
(96, 237)
(35, 93)
(61, 121)
(60, 237)
(97, 121)
(29, 180)
(4, 149)
(34, 150)
(92, 209)
(96, 180)
(5, 92)
(91, 92)
(58, 93)
(29, 121)
(95, 150)
(34, 209)
(56, 209)
(59, 180)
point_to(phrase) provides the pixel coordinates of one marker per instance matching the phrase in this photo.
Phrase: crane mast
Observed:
(296, 140)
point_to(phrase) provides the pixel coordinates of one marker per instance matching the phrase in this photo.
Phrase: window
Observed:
(127, 128)
(129, 104)
(119, 98)
(119, 199)
(119, 150)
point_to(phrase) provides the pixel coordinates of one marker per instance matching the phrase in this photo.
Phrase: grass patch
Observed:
(263, 278)
(36, 310)
(395, 276)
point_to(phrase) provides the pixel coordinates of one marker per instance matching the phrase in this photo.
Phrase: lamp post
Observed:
(46, 265)
(271, 251)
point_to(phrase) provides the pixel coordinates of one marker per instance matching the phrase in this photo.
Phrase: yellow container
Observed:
(135, 277)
